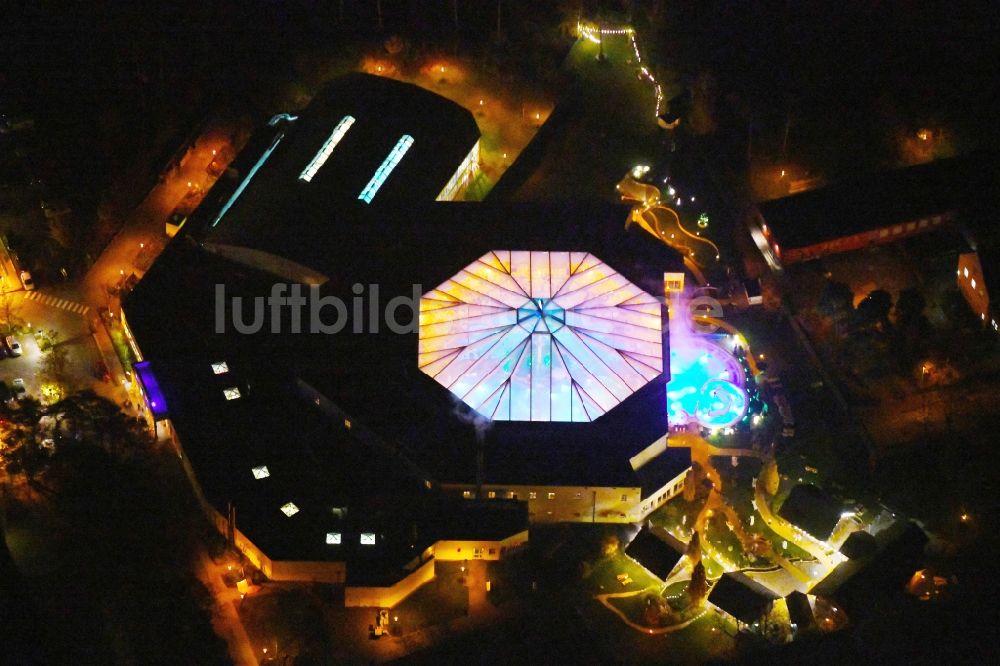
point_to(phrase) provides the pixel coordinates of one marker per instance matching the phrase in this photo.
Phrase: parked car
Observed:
(26, 280)
(18, 387)
(12, 346)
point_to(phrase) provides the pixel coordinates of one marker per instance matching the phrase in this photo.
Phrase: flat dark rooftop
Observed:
(383, 110)
(900, 553)
(871, 201)
(812, 509)
(347, 420)
(741, 596)
(989, 261)
(655, 549)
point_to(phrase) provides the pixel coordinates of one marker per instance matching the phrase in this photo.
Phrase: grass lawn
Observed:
(603, 576)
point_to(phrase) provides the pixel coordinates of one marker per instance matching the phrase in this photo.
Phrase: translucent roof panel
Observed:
(220, 368)
(289, 509)
(390, 162)
(324, 152)
(232, 393)
(540, 336)
(333, 538)
(260, 472)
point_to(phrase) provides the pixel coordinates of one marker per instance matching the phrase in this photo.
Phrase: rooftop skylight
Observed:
(324, 152)
(390, 162)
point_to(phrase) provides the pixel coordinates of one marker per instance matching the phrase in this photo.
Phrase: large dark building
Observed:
(350, 449)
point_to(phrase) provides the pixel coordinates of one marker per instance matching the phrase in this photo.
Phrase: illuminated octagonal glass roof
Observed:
(540, 336)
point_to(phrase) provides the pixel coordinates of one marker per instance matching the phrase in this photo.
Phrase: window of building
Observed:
(624, 498)
(477, 552)
(289, 509)
(220, 368)
(232, 393)
(552, 495)
(532, 495)
(493, 551)
(467, 494)
(492, 494)
(260, 472)
(511, 495)
(673, 282)
(578, 496)
(347, 423)
(333, 538)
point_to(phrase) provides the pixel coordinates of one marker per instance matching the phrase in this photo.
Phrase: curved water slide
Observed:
(663, 222)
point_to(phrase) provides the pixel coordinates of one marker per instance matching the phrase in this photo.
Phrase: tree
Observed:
(770, 477)
(693, 551)
(86, 415)
(55, 364)
(909, 307)
(609, 545)
(20, 434)
(691, 482)
(8, 314)
(654, 610)
(912, 327)
(837, 303)
(873, 310)
(698, 586)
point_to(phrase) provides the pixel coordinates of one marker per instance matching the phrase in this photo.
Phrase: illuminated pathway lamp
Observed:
(540, 336)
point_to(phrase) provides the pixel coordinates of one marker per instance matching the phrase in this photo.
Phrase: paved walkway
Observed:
(145, 226)
(225, 619)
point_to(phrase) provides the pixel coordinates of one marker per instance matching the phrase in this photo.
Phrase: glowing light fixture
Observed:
(640, 170)
(388, 164)
(289, 509)
(367, 538)
(540, 336)
(220, 368)
(260, 472)
(232, 393)
(324, 152)
(333, 538)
